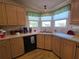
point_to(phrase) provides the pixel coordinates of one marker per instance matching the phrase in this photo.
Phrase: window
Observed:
(46, 24)
(33, 23)
(46, 21)
(33, 19)
(60, 23)
(46, 18)
(60, 17)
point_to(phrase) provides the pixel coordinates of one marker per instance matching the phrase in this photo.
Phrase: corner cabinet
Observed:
(12, 14)
(17, 47)
(5, 52)
(74, 12)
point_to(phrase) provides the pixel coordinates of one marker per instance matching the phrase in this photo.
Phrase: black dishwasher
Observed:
(29, 43)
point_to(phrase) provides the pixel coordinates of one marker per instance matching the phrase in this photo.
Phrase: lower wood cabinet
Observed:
(17, 47)
(5, 50)
(77, 52)
(40, 41)
(68, 50)
(48, 42)
(56, 45)
(62, 47)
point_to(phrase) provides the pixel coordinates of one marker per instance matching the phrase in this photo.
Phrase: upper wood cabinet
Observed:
(5, 52)
(68, 50)
(3, 18)
(48, 42)
(74, 12)
(21, 14)
(40, 41)
(17, 47)
(12, 14)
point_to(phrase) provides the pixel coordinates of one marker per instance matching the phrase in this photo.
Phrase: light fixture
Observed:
(45, 7)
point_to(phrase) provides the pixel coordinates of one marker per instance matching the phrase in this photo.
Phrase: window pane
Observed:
(46, 24)
(46, 18)
(61, 15)
(60, 23)
(33, 17)
(33, 23)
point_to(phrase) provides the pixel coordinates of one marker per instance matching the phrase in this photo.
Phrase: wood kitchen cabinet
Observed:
(74, 12)
(68, 50)
(17, 47)
(21, 14)
(3, 18)
(56, 45)
(5, 52)
(77, 51)
(40, 41)
(11, 14)
(48, 42)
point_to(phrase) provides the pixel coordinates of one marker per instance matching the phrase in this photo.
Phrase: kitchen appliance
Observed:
(29, 43)
(25, 30)
(30, 30)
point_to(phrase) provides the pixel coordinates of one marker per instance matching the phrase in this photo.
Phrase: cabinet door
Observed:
(3, 19)
(17, 47)
(56, 45)
(1, 0)
(5, 52)
(11, 14)
(48, 42)
(21, 16)
(77, 52)
(40, 41)
(74, 11)
(68, 50)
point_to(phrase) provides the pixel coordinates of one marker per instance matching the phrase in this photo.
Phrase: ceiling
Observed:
(38, 5)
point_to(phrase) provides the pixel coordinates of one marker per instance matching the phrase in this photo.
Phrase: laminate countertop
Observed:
(65, 36)
(17, 35)
(61, 35)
